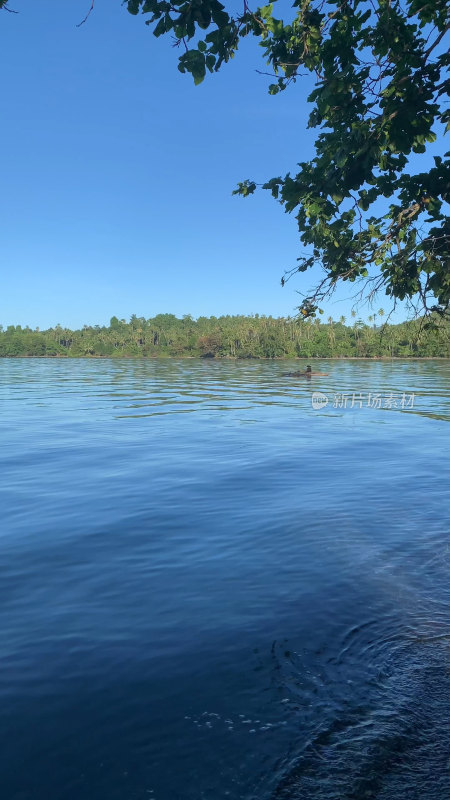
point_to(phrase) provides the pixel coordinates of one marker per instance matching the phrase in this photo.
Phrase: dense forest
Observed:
(254, 336)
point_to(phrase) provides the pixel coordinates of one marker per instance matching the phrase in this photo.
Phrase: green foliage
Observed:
(256, 336)
(381, 95)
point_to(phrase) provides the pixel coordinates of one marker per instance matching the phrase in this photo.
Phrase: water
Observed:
(210, 590)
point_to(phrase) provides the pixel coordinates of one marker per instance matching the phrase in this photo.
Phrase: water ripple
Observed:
(208, 589)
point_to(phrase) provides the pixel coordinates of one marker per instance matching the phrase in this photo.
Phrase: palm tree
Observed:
(331, 336)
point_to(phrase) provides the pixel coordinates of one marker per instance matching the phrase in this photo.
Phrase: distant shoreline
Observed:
(206, 359)
(235, 338)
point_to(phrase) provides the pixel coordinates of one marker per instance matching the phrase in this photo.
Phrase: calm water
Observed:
(210, 590)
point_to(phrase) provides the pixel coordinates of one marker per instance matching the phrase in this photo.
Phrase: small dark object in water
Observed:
(306, 374)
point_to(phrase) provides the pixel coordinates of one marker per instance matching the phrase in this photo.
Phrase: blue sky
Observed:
(117, 175)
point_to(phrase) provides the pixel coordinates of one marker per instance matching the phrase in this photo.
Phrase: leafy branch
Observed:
(364, 212)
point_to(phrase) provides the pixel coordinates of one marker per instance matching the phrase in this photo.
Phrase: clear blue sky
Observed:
(117, 175)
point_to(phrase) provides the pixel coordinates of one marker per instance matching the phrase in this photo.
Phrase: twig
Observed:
(87, 15)
(436, 42)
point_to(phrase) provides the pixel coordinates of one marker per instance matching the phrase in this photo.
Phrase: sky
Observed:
(117, 175)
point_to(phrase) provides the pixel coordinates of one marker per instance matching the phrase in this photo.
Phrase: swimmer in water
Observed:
(306, 374)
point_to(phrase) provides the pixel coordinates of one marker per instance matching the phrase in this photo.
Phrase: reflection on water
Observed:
(210, 590)
(140, 387)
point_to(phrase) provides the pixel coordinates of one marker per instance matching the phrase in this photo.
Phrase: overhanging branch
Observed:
(87, 15)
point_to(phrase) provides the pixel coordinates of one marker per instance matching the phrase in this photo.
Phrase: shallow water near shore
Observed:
(211, 589)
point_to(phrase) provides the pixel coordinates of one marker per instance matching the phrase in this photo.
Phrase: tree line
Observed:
(255, 336)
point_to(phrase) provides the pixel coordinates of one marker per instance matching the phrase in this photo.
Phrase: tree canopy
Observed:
(237, 336)
(380, 96)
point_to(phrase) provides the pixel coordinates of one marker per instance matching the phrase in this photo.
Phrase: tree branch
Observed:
(4, 7)
(87, 15)
(436, 41)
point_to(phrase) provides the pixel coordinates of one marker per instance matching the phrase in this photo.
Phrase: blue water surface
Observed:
(210, 589)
